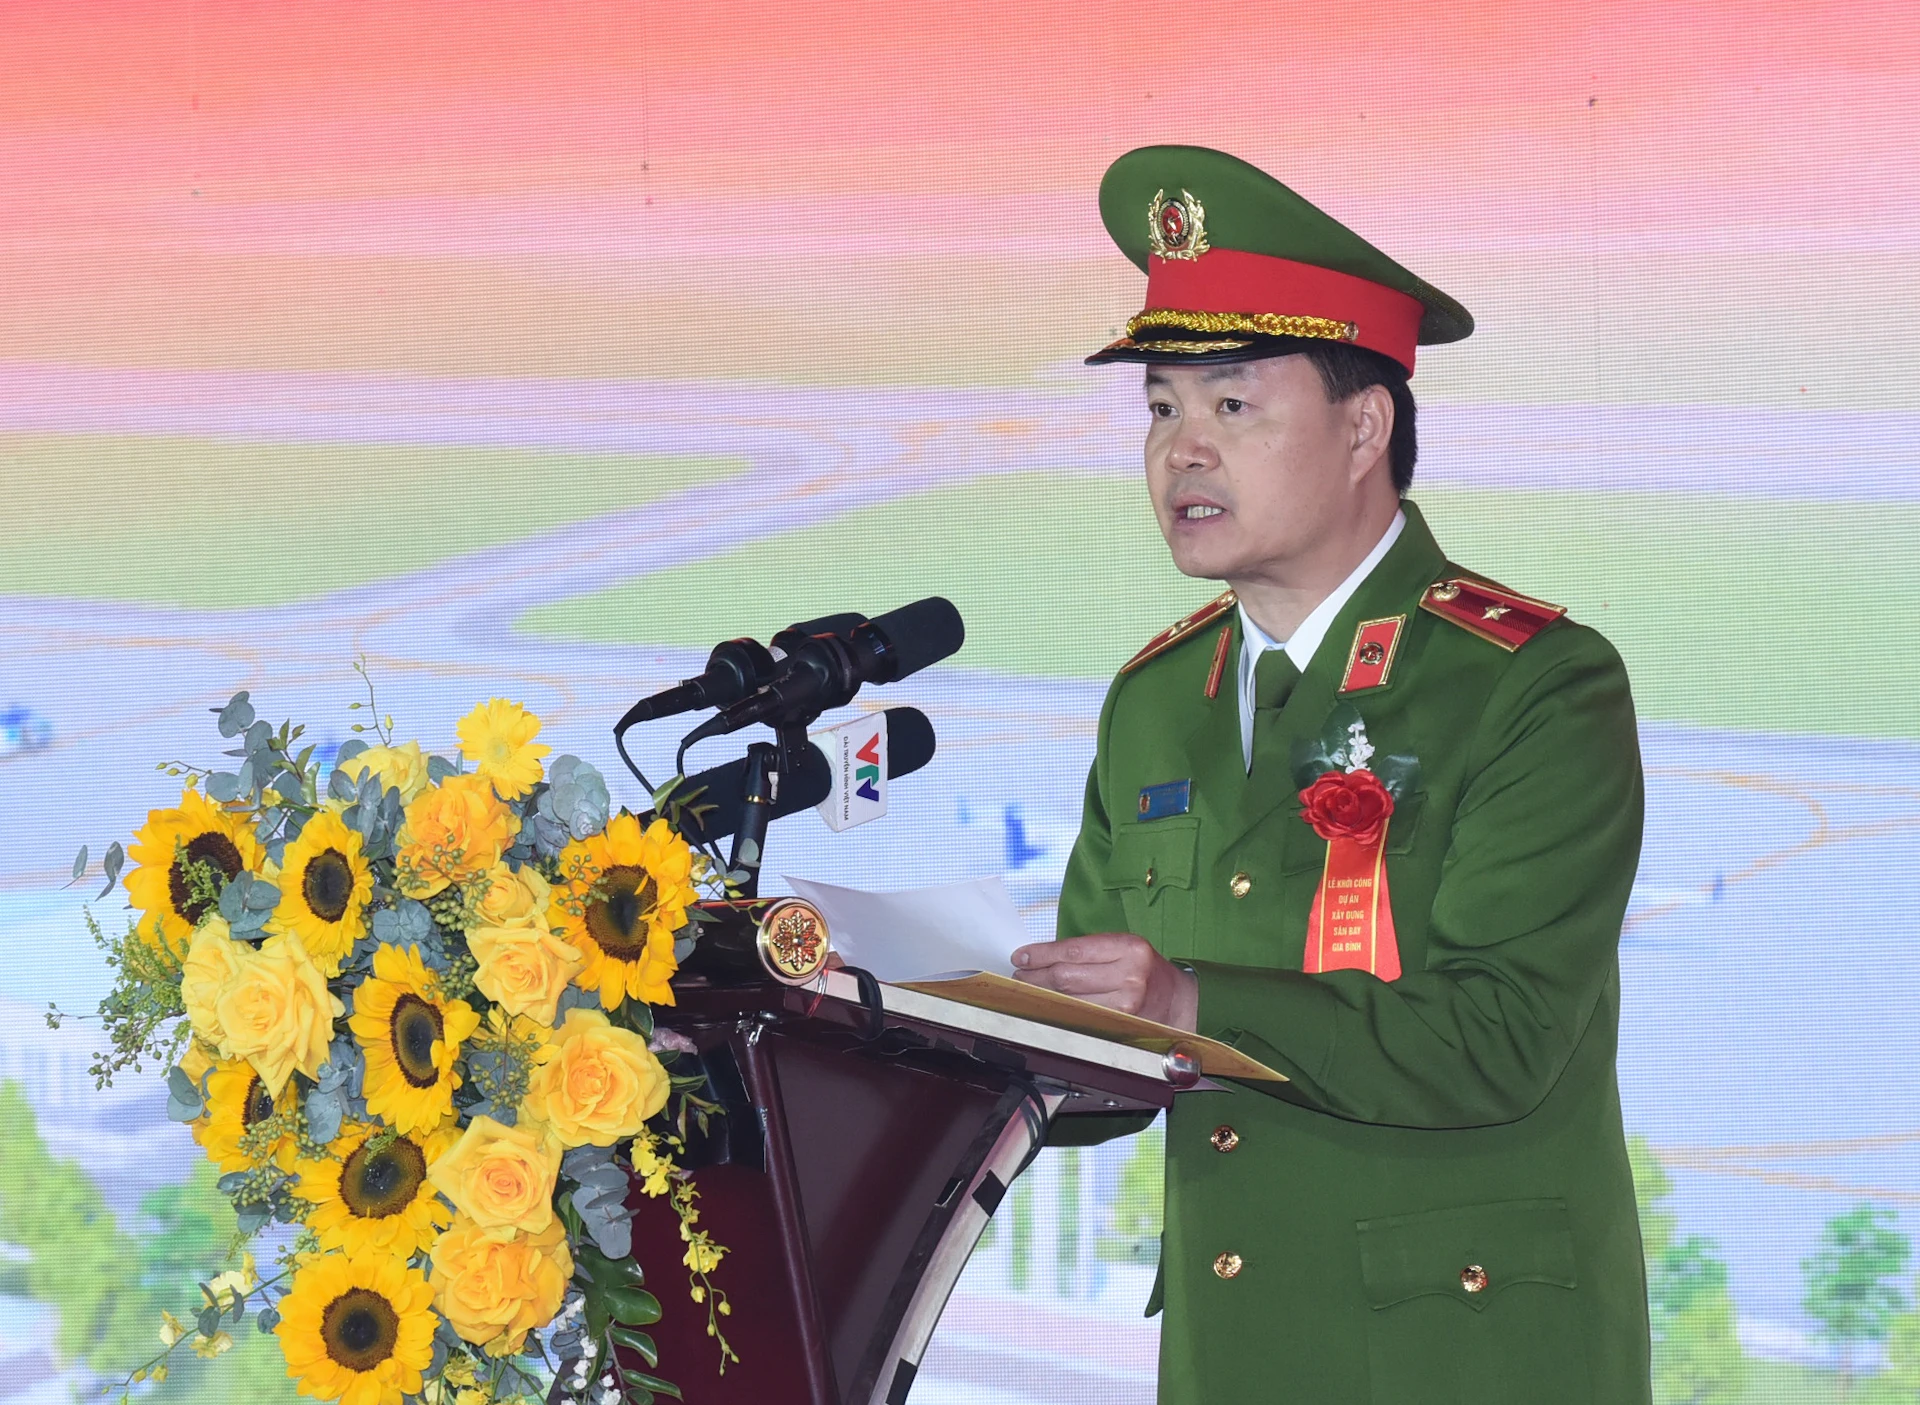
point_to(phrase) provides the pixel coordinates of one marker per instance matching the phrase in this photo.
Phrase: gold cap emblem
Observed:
(1177, 229)
(793, 942)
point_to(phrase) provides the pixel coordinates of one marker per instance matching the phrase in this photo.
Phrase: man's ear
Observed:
(1370, 420)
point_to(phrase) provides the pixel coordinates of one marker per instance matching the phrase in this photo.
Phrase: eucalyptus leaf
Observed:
(183, 1096)
(749, 853)
(223, 787)
(325, 1111)
(208, 1321)
(340, 785)
(111, 865)
(268, 1319)
(439, 768)
(348, 750)
(236, 716)
(80, 864)
(259, 738)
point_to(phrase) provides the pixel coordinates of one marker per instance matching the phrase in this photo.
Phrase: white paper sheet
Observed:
(921, 933)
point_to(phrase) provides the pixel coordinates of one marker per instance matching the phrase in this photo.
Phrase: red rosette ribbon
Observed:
(1351, 925)
(1348, 805)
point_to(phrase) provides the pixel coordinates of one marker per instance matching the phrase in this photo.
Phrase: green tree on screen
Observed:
(1133, 1229)
(1697, 1358)
(1850, 1290)
(1899, 1378)
(108, 1286)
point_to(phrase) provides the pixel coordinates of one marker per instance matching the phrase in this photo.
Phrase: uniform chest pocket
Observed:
(1475, 1303)
(1152, 868)
(1306, 850)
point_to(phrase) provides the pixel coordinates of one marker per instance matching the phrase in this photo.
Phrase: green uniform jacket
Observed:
(1463, 1116)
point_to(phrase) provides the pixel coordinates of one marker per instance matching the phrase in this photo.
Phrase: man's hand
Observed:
(1115, 969)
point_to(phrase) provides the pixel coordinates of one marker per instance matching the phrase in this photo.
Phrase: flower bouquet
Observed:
(404, 1003)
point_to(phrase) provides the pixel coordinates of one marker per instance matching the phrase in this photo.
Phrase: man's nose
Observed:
(1192, 449)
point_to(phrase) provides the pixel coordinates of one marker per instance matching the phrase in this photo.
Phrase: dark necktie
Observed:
(1273, 678)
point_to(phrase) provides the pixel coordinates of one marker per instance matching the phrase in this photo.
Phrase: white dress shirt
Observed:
(1255, 641)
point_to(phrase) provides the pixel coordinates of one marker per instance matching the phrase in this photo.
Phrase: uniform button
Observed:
(1240, 885)
(1473, 1278)
(1224, 1138)
(1149, 875)
(1227, 1266)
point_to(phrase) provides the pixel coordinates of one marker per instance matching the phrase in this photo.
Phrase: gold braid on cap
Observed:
(1187, 348)
(1270, 324)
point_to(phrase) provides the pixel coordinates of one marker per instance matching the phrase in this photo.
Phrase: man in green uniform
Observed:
(1372, 820)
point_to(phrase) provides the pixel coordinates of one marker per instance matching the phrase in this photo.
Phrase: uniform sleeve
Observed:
(1088, 906)
(1525, 928)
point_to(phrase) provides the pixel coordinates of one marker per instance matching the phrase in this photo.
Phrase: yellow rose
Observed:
(523, 969)
(515, 899)
(276, 1012)
(500, 1177)
(213, 959)
(595, 1082)
(453, 833)
(402, 768)
(495, 1289)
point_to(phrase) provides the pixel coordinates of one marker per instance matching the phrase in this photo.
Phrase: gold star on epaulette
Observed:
(1498, 615)
(1179, 630)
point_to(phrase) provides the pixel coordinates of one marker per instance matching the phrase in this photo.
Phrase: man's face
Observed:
(1248, 464)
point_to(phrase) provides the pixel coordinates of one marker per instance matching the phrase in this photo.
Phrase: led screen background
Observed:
(528, 350)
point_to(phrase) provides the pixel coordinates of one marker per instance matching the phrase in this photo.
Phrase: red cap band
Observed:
(1232, 280)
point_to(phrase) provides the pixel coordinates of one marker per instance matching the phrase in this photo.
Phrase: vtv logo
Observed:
(868, 772)
(856, 755)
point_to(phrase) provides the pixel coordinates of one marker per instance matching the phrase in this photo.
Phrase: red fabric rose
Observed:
(1347, 805)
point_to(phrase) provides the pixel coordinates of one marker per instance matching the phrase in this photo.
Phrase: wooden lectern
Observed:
(866, 1143)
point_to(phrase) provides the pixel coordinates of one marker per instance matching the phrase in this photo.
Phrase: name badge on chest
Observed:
(1169, 798)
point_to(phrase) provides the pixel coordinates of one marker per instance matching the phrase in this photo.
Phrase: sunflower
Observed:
(325, 885)
(624, 895)
(177, 851)
(237, 1102)
(378, 1200)
(499, 737)
(411, 1035)
(357, 1328)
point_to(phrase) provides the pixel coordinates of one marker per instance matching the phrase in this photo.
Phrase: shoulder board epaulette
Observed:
(1178, 631)
(1498, 615)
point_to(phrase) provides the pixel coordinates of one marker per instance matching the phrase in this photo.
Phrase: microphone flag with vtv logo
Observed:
(856, 755)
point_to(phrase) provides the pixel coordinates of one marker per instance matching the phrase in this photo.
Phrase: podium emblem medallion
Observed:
(794, 942)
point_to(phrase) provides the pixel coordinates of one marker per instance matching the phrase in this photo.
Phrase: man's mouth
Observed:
(1193, 512)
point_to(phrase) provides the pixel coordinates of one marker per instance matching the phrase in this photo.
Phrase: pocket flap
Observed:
(1165, 849)
(1450, 1251)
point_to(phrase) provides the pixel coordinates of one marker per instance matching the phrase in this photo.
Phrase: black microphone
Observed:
(828, 669)
(910, 746)
(735, 669)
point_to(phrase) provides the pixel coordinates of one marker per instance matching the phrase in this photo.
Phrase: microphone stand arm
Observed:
(759, 788)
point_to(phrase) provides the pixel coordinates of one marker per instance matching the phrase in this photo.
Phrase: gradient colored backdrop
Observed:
(530, 349)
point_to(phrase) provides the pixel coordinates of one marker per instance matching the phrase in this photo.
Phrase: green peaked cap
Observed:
(1248, 210)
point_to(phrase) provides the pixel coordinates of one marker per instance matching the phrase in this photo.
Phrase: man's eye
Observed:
(1160, 410)
(1230, 406)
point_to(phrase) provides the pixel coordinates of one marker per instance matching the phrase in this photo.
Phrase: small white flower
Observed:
(1359, 749)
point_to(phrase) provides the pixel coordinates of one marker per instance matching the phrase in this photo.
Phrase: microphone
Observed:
(735, 669)
(910, 746)
(827, 670)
